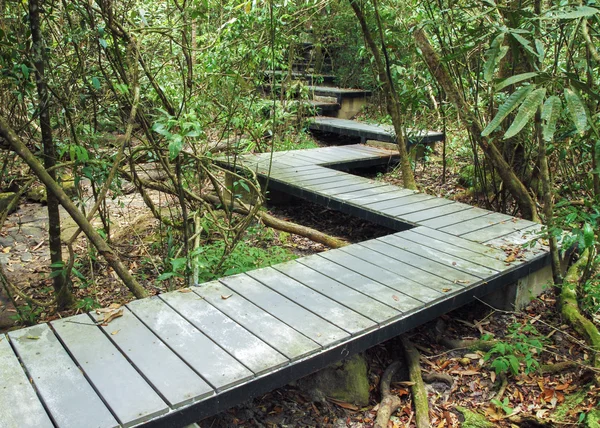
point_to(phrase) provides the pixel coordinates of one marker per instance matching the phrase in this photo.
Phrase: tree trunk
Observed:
(19, 147)
(60, 281)
(516, 188)
(392, 101)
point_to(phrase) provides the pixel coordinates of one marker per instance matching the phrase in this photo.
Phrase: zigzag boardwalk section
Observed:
(175, 358)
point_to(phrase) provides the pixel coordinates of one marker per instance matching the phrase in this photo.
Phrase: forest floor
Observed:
(557, 400)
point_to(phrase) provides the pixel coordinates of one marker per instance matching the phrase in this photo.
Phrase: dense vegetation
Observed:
(94, 92)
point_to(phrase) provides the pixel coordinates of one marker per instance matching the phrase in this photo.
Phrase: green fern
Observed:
(494, 54)
(526, 112)
(576, 110)
(550, 114)
(505, 109)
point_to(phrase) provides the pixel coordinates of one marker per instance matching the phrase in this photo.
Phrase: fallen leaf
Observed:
(226, 297)
(343, 404)
(109, 317)
(445, 290)
(465, 372)
(6, 250)
(396, 298)
(115, 332)
(185, 290)
(33, 337)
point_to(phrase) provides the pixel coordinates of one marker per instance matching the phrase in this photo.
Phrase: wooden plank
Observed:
(348, 180)
(338, 292)
(400, 201)
(19, 404)
(280, 336)
(454, 218)
(379, 190)
(264, 169)
(307, 175)
(168, 373)
(69, 398)
(335, 192)
(517, 240)
(402, 210)
(291, 313)
(324, 307)
(368, 286)
(445, 255)
(367, 200)
(310, 181)
(482, 258)
(225, 332)
(428, 268)
(459, 242)
(477, 223)
(377, 272)
(211, 362)
(420, 216)
(498, 230)
(128, 395)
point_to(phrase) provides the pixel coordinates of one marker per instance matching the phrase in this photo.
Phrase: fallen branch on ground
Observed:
(419, 395)
(389, 402)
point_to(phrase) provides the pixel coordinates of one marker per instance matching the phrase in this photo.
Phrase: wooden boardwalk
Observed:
(178, 357)
(366, 131)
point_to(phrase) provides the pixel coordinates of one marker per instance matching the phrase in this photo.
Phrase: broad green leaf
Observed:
(96, 83)
(505, 109)
(25, 71)
(550, 114)
(103, 43)
(525, 43)
(578, 12)
(588, 235)
(515, 79)
(494, 54)
(175, 146)
(576, 110)
(539, 47)
(526, 112)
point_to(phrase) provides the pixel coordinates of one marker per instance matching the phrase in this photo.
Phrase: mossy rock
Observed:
(473, 419)
(37, 193)
(345, 381)
(5, 200)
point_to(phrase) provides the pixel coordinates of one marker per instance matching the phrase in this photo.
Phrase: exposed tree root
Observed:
(419, 395)
(389, 402)
(570, 309)
(473, 344)
(438, 377)
(503, 385)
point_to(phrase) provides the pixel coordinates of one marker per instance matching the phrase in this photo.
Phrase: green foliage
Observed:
(517, 351)
(504, 405)
(27, 314)
(87, 304)
(526, 112)
(505, 109)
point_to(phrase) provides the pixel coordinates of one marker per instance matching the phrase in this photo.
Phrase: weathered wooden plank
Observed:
(348, 180)
(19, 404)
(167, 372)
(308, 175)
(498, 230)
(445, 272)
(425, 279)
(338, 292)
(211, 362)
(444, 255)
(482, 257)
(367, 200)
(400, 201)
(317, 156)
(335, 192)
(459, 242)
(326, 308)
(420, 216)
(368, 286)
(402, 210)
(127, 394)
(225, 332)
(291, 313)
(379, 190)
(70, 399)
(311, 181)
(476, 223)
(378, 272)
(454, 218)
(517, 240)
(280, 336)
(263, 169)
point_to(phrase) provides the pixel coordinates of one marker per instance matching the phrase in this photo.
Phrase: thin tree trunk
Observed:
(516, 188)
(62, 291)
(113, 260)
(392, 102)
